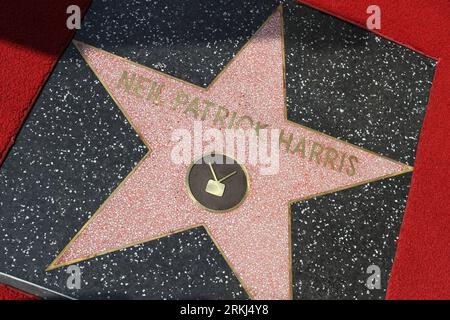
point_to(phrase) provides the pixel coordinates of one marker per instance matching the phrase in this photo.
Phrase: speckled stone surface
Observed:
(355, 85)
(76, 147)
(336, 237)
(190, 40)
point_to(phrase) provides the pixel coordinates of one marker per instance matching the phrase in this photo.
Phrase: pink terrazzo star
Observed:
(153, 201)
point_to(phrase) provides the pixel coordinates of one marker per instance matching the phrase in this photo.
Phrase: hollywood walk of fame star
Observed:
(153, 200)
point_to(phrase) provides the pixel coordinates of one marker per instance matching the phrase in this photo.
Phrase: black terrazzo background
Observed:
(336, 237)
(191, 40)
(76, 147)
(355, 85)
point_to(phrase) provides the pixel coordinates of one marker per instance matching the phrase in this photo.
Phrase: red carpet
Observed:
(33, 35)
(9, 293)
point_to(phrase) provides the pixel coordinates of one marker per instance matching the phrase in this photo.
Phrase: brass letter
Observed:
(218, 116)
(316, 151)
(182, 98)
(287, 142)
(126, 82)
(330, 156)
(193, 107)
(352, 170)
